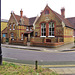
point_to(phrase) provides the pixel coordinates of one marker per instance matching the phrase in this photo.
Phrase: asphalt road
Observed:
(19, 54)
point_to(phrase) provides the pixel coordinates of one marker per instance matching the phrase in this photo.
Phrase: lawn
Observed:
(8, 68)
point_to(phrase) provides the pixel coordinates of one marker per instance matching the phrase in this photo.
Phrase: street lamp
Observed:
(0, 36)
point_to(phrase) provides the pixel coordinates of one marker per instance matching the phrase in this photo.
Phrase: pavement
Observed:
(59, 69)
(64, 48)
(64, 71)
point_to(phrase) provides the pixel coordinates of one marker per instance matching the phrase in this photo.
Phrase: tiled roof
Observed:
(67, 23)
(26, 21)
(17, 17)
(71, 20)
(31, 20)
(4, 31)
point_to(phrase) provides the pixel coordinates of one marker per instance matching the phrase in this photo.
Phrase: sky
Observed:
(32, 8)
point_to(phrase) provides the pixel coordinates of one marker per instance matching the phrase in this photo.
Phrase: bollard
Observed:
(36, 64)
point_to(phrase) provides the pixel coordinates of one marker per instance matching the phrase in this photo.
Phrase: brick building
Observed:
(50, 29)
(53, 29)
(20, 26)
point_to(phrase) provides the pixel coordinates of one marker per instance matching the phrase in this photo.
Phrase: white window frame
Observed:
(43, 27)
(13, 26)
(50, 26)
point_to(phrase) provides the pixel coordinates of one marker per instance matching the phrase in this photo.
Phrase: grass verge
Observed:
(8, 68)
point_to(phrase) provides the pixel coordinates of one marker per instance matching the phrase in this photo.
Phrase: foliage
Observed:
(18, 69)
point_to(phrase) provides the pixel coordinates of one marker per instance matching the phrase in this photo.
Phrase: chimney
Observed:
(63, 12)
(21, 13)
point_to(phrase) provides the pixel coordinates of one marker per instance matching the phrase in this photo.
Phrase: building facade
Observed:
(50, 29)
(20, 26)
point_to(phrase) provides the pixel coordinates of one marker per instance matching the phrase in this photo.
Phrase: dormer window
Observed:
(46, 11)
(13, 26)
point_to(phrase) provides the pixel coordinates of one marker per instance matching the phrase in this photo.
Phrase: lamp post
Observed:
(0, 36)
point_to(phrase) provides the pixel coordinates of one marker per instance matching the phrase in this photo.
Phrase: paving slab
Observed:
(64, 71)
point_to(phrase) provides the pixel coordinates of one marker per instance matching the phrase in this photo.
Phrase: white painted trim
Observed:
(42, 36)
(63, 24)
(35, 21)
(15, 19)
(51, 36)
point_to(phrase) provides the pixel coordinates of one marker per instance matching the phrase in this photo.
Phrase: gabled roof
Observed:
(67, 23)
(26, 21)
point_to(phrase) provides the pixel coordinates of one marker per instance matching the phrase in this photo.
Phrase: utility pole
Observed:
(0, 36)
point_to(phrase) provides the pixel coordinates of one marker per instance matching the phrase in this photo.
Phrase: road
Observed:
(19, 54)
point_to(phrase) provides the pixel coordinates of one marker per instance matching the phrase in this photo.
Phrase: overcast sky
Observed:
(33, 8)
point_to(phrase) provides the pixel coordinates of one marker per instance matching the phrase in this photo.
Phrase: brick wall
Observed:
(46, 42)
(68, 35)
(18, 41)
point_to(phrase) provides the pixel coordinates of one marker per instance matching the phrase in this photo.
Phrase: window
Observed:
(10, 26)
(43, 29)
(27, 29)
(30, 28)
(12, 36)
(13, 26)
(47, 12)
(36, 34)
(22, 36)
(51, 29)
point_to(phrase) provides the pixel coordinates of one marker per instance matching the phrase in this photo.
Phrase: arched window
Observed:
(51, 29)
(46, 11)
(43, 29)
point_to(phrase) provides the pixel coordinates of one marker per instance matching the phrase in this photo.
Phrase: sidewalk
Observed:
(67, 47)
(64, 71)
